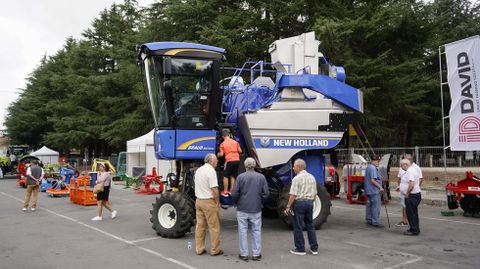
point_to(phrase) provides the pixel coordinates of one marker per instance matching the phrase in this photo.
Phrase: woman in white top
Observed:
(102, 197)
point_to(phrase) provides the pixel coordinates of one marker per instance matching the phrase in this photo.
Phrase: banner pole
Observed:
(443, 115)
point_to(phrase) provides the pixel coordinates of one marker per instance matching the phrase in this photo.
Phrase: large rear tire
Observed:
(173, 214)
(321, 206)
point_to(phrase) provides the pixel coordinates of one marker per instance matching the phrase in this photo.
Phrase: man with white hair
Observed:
(410, 187)
(302, 194)
(207, 206)
(248, 192)
(400, 176)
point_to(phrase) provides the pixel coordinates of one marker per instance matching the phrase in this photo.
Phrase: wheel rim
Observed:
(167, 216)
(317, 207)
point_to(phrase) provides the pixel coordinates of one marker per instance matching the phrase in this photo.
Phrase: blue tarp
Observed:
(241, 99)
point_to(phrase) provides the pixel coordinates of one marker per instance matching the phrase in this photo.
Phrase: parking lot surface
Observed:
(61, 235)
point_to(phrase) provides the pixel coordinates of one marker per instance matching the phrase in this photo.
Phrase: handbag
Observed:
(98, 188)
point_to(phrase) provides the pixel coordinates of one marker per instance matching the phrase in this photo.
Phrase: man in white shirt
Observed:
(207, 206)
(410, 187)
(401, 171)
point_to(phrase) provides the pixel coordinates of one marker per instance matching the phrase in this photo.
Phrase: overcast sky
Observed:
(31, 28)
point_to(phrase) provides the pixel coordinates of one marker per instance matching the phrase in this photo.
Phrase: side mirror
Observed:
(167, 66)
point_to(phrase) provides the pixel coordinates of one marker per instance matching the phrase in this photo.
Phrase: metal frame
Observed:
(445, 147)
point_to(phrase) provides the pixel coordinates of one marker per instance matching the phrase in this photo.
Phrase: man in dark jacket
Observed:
(34, 176)
(248, 192)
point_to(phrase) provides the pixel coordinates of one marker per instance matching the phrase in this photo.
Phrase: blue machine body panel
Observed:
(184, 144)
(181, 45)
(306, 143)
(315, 167)
(45, 185)
(164, 141)
(339, 92)
(67, 173)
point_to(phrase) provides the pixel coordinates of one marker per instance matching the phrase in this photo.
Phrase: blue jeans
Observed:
(303, 213)
(372, 209)
(255, 220)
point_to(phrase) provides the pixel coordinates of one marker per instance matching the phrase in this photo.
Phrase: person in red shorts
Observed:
(231, 150)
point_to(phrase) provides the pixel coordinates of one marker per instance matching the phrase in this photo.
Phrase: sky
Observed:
(29, 29)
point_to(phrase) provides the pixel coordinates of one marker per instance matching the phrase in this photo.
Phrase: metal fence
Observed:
(423, 156)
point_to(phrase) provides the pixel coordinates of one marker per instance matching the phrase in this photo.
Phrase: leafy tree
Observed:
(89, 95)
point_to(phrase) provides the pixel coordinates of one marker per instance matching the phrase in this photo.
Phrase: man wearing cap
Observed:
(373, 190)
(231, 150)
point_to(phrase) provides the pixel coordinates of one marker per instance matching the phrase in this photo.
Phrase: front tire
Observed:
(321, 206)
(173, 214)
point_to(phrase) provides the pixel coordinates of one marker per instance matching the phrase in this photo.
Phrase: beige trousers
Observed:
(208, 215)
(31, 189)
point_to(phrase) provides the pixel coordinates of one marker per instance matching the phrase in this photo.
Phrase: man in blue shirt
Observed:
(373, 190)
(248, 192)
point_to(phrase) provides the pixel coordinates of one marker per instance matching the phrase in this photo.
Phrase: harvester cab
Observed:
(296, 106)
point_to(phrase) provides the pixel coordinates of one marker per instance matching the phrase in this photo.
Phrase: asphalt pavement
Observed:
(61, 235)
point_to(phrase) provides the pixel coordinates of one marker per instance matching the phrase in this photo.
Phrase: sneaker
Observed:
(401, 224)
(257, 258)
(314, 252)
(243, 258)
(97, 218)
(24, 209)
(224, 194)
(296, 252)
(33, 209)
(114, 214)
(378, 225)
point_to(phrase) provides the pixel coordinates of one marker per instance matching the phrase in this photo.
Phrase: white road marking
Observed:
(404, 263)
(416, 258)
(145, 239)
(422, 218)
(110, 235)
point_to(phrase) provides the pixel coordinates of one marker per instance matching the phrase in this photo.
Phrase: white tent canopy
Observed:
(141, 153)
(46, 155)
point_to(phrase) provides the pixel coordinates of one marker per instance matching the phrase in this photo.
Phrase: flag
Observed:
(463, 66)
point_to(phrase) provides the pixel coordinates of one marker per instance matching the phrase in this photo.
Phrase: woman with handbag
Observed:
(104, 179)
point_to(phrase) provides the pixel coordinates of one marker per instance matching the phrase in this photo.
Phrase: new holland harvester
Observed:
(296, 106)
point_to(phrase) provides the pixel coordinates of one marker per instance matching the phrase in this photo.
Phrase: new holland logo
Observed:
(265, 142)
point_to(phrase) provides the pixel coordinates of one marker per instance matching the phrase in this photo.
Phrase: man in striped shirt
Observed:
(302, 194)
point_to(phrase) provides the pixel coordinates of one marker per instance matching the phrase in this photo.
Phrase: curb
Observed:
(425, 200)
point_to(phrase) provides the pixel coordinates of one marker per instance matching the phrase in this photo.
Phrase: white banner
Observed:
(463, 64)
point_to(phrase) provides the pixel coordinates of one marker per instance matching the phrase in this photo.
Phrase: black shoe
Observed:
(378, 225)
(243, 258)
(257, 258)
(410, 233)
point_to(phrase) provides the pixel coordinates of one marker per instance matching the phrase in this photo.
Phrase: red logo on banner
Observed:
(469, 129)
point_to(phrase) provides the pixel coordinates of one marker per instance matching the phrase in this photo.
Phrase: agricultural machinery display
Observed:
(296, 106)
(465, 192)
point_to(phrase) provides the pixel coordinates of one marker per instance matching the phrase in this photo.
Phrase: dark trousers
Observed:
(303, 213)
(411, 205)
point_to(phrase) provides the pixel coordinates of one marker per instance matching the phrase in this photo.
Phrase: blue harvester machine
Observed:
(296, 106)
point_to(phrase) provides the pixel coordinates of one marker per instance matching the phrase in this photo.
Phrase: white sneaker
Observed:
(33, 209)
(114, 214)
(24, 209)
(97, 218)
